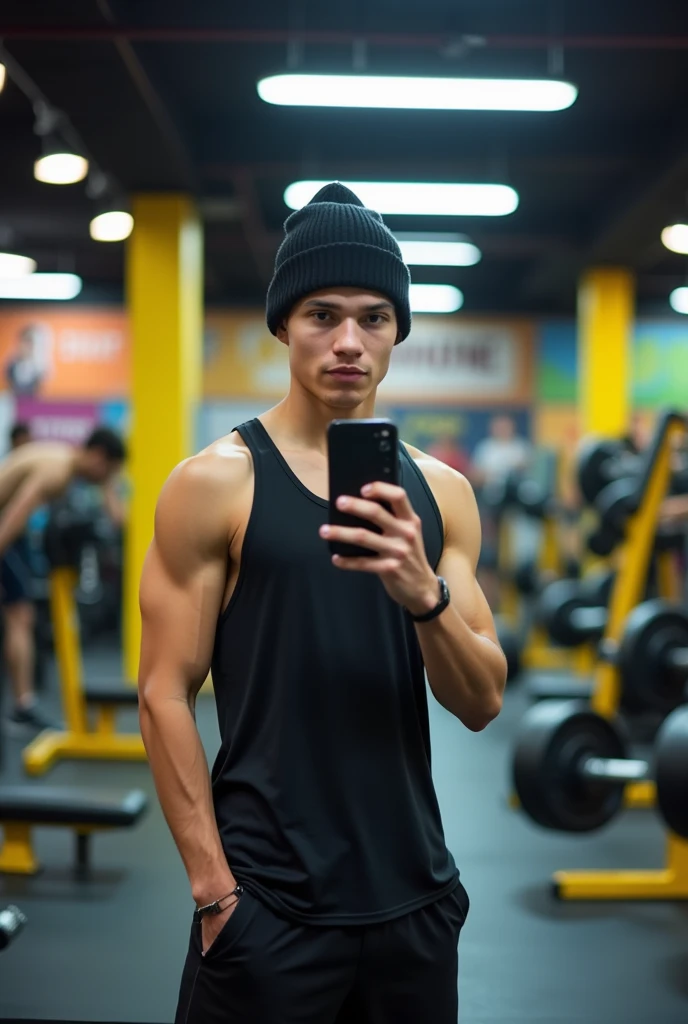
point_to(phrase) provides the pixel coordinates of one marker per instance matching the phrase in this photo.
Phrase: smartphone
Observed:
(360, 452)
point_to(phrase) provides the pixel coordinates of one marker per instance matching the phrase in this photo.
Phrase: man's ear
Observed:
(282, 333)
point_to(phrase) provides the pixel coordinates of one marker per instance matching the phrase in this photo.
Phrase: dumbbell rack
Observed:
(78, 740)
(671, 881)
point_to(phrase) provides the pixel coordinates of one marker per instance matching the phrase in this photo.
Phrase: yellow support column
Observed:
(605, 320)
(165, 299)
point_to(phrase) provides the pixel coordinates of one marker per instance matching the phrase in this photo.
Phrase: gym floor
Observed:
(112, 948)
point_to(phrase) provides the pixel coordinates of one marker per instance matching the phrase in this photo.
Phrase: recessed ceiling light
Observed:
(417, 198)
(392, 92)
(2, 76)
(438, 251)
(41, 286)
(111, 226)
(435, 298)
(678, 300)
(675, 238)
(12, 265)
(60, 168)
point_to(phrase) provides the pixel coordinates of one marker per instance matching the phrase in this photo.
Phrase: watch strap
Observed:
(444, 599)
(214, 907)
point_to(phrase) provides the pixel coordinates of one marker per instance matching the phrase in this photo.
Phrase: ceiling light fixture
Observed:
(417, 198)
(675, 237)
(678, 300)
(2, 76)
(438, 251)
(59, 165)
(12, 266)
(393, 92)
(435, 298)
(111, 226)
(56, 287)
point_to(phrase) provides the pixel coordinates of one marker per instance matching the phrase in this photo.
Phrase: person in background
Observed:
(494, 459)
(19, 434)
(32, 475)
(24, 372)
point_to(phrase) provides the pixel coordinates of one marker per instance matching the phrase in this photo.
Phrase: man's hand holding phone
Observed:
(397, 552)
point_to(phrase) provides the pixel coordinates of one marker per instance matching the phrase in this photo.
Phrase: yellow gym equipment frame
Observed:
(671, 881)
(79, 741)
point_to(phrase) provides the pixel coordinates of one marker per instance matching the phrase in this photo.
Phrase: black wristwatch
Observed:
(215, 908)
(439, 607)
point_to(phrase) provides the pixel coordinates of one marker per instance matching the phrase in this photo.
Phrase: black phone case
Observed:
(359, 452)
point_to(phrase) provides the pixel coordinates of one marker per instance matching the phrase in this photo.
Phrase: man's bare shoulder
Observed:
(441, 477)
(221, 469)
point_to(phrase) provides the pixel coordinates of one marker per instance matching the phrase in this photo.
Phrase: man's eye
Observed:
(321, 314)
(376, 318)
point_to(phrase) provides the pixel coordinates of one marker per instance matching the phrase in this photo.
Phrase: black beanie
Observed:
(335, 241)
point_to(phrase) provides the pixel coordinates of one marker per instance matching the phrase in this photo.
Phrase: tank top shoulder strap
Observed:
(255, 437)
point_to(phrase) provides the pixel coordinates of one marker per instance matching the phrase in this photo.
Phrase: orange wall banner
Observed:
(65, 353)
(444, 360)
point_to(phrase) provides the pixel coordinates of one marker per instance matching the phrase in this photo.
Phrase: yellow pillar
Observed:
(605, 323)
(165, 299)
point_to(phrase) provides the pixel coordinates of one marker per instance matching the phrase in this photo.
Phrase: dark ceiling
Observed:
(163, 95)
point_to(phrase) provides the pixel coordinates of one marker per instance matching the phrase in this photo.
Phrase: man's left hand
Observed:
(399, 560)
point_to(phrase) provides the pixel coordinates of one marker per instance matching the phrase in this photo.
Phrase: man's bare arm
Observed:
(33, 492)
(465, 665)
(181, 594)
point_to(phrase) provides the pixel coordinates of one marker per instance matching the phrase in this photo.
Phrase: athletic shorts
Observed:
(16, 577)
(264, 969)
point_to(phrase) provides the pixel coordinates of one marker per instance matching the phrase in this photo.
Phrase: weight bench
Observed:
(84, 810)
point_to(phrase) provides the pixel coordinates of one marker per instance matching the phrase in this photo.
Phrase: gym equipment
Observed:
(85, 811)
(602, 461)
(613, 504)
(11, 923)
(571, 767)
(652, 657)
(66, 533)
(568, 615)
(570, 771)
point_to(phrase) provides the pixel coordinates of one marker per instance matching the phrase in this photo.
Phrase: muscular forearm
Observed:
(466, 671)
(182, 780)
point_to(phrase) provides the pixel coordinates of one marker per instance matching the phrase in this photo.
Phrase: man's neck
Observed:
(300, 421)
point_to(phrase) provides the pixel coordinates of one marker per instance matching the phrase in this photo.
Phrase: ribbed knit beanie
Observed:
(335, 241)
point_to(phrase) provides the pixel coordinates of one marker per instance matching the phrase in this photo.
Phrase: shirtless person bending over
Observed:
(31, 475)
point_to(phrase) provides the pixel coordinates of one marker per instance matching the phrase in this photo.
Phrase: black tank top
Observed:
(322, 787)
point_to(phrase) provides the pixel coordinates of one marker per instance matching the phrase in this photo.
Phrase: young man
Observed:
(31, 475)
(317, 861)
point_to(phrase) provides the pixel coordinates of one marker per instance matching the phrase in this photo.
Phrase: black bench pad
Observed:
(116, 693)
(69, 805)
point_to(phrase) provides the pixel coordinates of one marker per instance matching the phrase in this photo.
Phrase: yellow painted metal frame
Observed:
(17, 855)
(79, 740)
(670, 882)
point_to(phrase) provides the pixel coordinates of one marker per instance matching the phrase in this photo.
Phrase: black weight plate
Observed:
(671, 771)
(556, 603)
(616, 502)
(527, 578)
(596, 588)
(594, 457)
(602, 541)
(554, 738)
(648, 683)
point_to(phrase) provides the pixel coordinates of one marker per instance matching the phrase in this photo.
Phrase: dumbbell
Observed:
(11, 923)
(571, 765)
(574, 611)
(600, 463)
(614, 505)
(652, 657)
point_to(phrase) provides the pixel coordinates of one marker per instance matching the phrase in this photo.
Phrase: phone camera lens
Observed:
(385, 446)
(385, 433)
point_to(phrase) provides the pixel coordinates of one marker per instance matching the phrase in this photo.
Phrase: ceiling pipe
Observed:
(394, 39)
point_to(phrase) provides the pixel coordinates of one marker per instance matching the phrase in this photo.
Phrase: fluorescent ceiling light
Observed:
(112, 226)
(675, 238)
(2, 76)
(417, 198)
(41, 286)
(435, 298)
(60, 168)
(417, 93)
(678, 300)
(438, 251)
(13, 266)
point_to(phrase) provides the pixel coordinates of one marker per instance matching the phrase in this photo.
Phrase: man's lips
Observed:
(346, 371)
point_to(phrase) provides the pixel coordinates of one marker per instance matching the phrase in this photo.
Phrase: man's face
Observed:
(340, 341)
(97, 468)
(503, 428)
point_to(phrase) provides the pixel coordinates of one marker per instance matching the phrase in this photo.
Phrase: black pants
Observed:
(263, 969)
